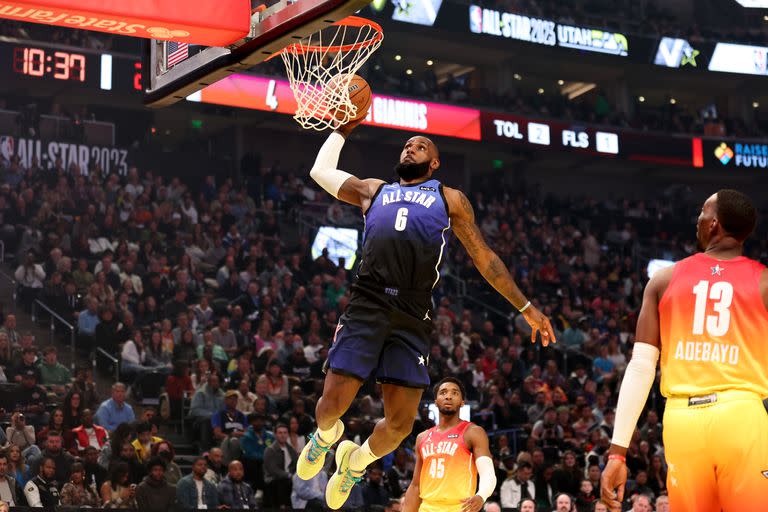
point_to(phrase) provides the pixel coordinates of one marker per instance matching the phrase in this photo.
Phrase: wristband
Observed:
(616, 456)
(527, 305)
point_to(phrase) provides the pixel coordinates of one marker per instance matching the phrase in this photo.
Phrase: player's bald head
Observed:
(432, 147)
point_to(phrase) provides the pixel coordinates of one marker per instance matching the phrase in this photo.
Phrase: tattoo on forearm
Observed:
(487, 262)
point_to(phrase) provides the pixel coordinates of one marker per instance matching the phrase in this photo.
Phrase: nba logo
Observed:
(7, 149)
(476, 19)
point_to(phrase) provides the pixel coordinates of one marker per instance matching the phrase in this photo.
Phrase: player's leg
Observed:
(353, 356)
(742, 455)
(403, 373)
(401, 404)
(691, 481)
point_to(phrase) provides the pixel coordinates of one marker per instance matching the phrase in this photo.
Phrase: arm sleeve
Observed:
(638, 379)
(325, 171)
(487, 475)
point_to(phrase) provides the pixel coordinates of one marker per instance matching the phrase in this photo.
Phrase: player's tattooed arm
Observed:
(485, 259)
(490, 265)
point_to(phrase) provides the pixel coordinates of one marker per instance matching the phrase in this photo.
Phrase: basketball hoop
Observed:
(321, 66)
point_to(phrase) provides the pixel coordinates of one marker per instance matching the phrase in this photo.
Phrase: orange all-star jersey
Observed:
(448, 472)
(714, 328)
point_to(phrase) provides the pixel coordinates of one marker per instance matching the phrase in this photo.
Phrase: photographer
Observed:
(22, 435)
(548, 434)
(30, 276)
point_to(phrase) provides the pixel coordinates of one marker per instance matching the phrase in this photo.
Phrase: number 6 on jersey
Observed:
(402, 219)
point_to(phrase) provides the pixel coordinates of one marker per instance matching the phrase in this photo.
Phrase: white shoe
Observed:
(344, 479)
(312, 458)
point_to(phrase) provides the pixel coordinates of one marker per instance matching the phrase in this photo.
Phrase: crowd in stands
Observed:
(595, 107)
(203, 293)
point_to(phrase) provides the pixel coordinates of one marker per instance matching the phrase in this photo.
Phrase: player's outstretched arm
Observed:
(638, 379)
(412, 500)
(477, 441)
(490, 265)
(341, 184)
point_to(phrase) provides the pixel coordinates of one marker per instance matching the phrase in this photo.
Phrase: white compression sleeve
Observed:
(324, 172)
(487, 475)
(638, 379)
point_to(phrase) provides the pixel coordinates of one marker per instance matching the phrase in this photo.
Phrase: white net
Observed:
(321, 67)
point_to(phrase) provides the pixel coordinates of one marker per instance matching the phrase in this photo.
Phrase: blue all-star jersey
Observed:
(404, 242)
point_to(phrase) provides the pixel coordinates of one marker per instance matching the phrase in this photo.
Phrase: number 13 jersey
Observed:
(406, 231)
(714, 328)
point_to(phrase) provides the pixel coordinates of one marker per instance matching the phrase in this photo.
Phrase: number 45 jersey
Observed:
(448, 472)
(406, 231)
(713, 327)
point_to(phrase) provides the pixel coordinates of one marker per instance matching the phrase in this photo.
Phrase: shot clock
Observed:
(59, 65)
(67, 66)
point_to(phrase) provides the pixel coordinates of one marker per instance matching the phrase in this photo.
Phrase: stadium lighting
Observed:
(576, 89)
(755, 104)
(560, 82)
(641, 99)
(398, 57)
(516, 76)
(430, 62)
(408, 71)
(541, 90)
(754, 4)
(672, 101)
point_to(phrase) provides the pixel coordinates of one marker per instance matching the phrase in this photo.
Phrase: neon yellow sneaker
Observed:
(344, 479)
(312, 458)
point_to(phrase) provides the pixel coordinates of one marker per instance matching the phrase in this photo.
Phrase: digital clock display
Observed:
(37, 62)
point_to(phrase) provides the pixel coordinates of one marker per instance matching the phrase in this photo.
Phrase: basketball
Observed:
(359, 96)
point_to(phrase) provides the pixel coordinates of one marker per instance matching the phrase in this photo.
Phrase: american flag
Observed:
(177, 52)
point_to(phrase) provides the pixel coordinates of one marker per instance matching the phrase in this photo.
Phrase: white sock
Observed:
(362, 457)
(328, 437)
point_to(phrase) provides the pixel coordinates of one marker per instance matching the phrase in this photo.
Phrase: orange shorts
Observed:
(442, 506)
(717, 453)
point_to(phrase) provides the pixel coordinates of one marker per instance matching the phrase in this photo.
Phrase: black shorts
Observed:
(370, 338)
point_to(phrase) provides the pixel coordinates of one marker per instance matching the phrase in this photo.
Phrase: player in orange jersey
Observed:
(449, 458)
(708, 316)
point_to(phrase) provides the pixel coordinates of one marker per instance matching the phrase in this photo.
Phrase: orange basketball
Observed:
(359, 96)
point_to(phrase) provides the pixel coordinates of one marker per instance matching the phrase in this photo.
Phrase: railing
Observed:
(11, 280)
(54, 319)
(109, 357)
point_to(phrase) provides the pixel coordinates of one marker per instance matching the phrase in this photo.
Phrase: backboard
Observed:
(176, 70)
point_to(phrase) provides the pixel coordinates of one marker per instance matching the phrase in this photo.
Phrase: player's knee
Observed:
(400, 426)
(329, 406)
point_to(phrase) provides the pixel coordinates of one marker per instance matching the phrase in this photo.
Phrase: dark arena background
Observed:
(185, 252)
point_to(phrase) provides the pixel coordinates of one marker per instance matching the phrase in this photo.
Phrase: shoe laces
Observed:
(316, 449)
(348, 481)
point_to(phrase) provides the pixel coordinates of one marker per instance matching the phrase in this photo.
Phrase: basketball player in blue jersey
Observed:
(385, 329)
